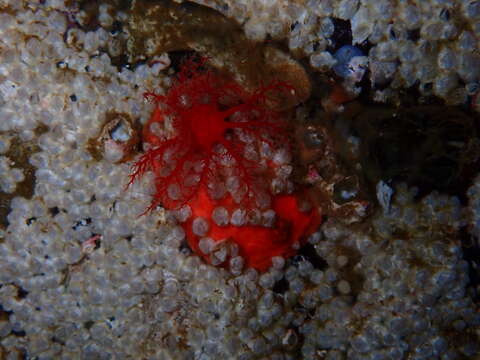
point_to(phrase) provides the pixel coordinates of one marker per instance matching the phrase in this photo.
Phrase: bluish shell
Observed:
(343, 57)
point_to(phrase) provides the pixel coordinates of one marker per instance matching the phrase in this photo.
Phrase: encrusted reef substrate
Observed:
(428, 45)
(82, 276)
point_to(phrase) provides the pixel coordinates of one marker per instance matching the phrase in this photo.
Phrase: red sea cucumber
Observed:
(208, 130)
(220, 157)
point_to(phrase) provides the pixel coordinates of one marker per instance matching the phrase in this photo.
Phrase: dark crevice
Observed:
(54, 211)
(309, 253)
(281, 286)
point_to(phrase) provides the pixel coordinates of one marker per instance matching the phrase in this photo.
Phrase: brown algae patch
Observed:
(156, 27)
(19, 153)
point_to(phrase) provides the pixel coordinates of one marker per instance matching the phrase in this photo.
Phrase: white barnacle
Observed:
(239, 217)
(220, 216)
(200, 226)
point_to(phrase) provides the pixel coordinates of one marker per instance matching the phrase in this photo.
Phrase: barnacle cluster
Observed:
(427, 45)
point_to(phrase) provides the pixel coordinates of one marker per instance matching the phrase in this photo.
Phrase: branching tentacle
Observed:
(147, 161)
(198, 94)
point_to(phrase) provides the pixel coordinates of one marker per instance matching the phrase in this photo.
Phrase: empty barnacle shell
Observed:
(117, 138)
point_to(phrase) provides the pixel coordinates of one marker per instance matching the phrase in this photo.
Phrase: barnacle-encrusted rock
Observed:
(407, 43)
(82, 275)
